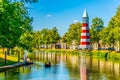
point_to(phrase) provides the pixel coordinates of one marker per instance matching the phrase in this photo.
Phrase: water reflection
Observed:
(65, 67)
(83, 69)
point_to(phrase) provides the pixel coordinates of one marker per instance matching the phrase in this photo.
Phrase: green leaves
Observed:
(54, 35)
(96, 27)
(46, 36)
(15, 21)
(26, 41)
(114, 28)
(97, 24)
(74, 33)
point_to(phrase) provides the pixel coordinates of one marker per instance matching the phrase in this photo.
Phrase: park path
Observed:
(2, 68)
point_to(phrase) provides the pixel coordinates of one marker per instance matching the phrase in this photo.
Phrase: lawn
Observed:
(10, 60)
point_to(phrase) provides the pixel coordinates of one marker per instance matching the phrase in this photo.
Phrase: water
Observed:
(65, 67)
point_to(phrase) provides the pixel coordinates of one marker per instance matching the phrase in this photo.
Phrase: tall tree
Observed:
(45, 36)
(26, 41)
(104, 36)
(113, 26)
(54, 35)
(96, 27)
(37, 39)
(73, 34)
(14, 21)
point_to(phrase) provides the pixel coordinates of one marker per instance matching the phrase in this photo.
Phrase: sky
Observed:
(62, 13)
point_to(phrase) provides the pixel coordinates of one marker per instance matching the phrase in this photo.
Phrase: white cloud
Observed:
(76, 21)
(49, 15)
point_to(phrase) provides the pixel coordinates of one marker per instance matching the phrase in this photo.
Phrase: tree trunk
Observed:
(18, 52)
(113, 45)
(4, 55)
(98, 45)
(8, 51)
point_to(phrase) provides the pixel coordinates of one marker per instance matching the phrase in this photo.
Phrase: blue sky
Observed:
(62, 13)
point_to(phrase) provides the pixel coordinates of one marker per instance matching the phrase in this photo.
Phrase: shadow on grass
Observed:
(8, 62)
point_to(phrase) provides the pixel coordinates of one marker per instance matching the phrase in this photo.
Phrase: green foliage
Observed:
(62, 51)
(45, 37)
(96, 27)
(74, 33)
(14, 21)
(54, 35)
(106, 55)
(103, 35)
(25, 1)
(114, 28)
(26, 41)
(37, 39)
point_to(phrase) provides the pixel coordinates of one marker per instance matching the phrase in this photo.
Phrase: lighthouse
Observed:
(85, 35)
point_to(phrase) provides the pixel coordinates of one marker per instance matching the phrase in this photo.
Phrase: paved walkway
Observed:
(2, 68)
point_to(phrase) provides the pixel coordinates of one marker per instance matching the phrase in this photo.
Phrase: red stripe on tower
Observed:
(85, 31)
(85, 35)
(84, 25)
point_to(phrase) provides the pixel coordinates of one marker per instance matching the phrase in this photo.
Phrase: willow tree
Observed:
(14, 21)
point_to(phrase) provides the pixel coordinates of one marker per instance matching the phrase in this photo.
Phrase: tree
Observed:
(49, 36)
(96, 27)
(25, 1)
(116, 32)
(114, 28)
(14, 21)
(104, 36)
(74, 33)
(54, 35)
(45, 35)
(26, 41)
(37, 39)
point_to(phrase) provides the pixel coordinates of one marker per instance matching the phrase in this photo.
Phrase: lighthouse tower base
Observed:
(84, 47)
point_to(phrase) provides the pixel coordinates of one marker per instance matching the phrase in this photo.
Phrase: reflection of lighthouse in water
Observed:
(85, 35)
(83, 69)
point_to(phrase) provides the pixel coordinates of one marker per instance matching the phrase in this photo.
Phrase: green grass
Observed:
(109, 55)
(8, 62)
(106, 54)
(60, 50)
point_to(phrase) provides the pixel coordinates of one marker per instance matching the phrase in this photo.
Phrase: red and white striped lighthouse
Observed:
(85, 35)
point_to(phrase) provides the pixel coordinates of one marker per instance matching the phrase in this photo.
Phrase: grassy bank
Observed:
(111, 55)
(10, 60)
(60, 50)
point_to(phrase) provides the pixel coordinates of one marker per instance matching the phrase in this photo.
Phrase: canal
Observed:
(65, 66)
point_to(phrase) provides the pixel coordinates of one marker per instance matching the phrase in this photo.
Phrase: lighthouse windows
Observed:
(85, 20)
